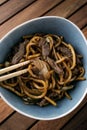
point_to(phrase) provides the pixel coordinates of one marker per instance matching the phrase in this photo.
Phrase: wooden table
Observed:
(15, 12)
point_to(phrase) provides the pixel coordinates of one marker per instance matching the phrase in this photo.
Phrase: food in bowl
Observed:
(54, 67)
(46, 25)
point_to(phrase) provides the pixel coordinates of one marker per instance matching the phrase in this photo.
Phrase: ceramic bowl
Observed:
(73, 35)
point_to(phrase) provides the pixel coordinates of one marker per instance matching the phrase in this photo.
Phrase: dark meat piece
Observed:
(42, 103)
(20, 53)
(41, 42)
(45, 47)
(40, 68)
(53, 64)
(75, 72)
(52, 95)
(78, 60)
(35, 70)
(28, 100)
(12, 52)
(64, 50)
(45, 50)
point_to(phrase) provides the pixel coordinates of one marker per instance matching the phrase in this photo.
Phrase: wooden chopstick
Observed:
(14, 74)
(2, 71)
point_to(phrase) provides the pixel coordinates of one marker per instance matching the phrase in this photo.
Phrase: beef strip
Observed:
(52, 95)
(45, 47)
(40, 68)
(75, 72)
(42, 103)
(53, 64)
(12, 52)
(64, 50)
(41, 42)
(78, 60)
(20, 53)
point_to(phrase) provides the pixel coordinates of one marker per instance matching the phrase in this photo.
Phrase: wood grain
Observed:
(17, 122)
(58, 123)
(85, 31)
(74, 19)
(12, 8)
(36, 9)
(3, 1)
(67, 7)
(79, 122)
(80, 17)
(5, 110)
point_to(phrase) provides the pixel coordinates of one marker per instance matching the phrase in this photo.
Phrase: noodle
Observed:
(73, 55)
(54, 67)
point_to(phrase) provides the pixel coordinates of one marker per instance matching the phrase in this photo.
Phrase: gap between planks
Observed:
(32, 124)
(84, 30)
(5, 110)
(3, 2)
(58, 123)
(37, 9)
(14, 8)
(17, 122)
(78, 122)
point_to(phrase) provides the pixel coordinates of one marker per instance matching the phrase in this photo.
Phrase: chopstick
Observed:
(14, 74)
(2, 71)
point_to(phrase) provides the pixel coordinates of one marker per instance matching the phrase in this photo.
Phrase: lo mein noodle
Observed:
(54, 67)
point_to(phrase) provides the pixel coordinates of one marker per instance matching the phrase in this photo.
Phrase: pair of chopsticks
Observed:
(14, 74)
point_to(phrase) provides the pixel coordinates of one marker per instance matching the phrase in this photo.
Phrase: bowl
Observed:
(73, 35)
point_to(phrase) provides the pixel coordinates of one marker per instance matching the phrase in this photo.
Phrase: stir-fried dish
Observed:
(54, 67)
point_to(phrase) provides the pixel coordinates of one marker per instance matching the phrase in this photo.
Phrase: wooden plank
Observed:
(85, 31)
(5, 110)
(36, 9)
(58, 123)
(67, 7)
(3, 1)
(79, 122)
(80, 17)
(17, 122)
(35, 14)
(12, 8)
